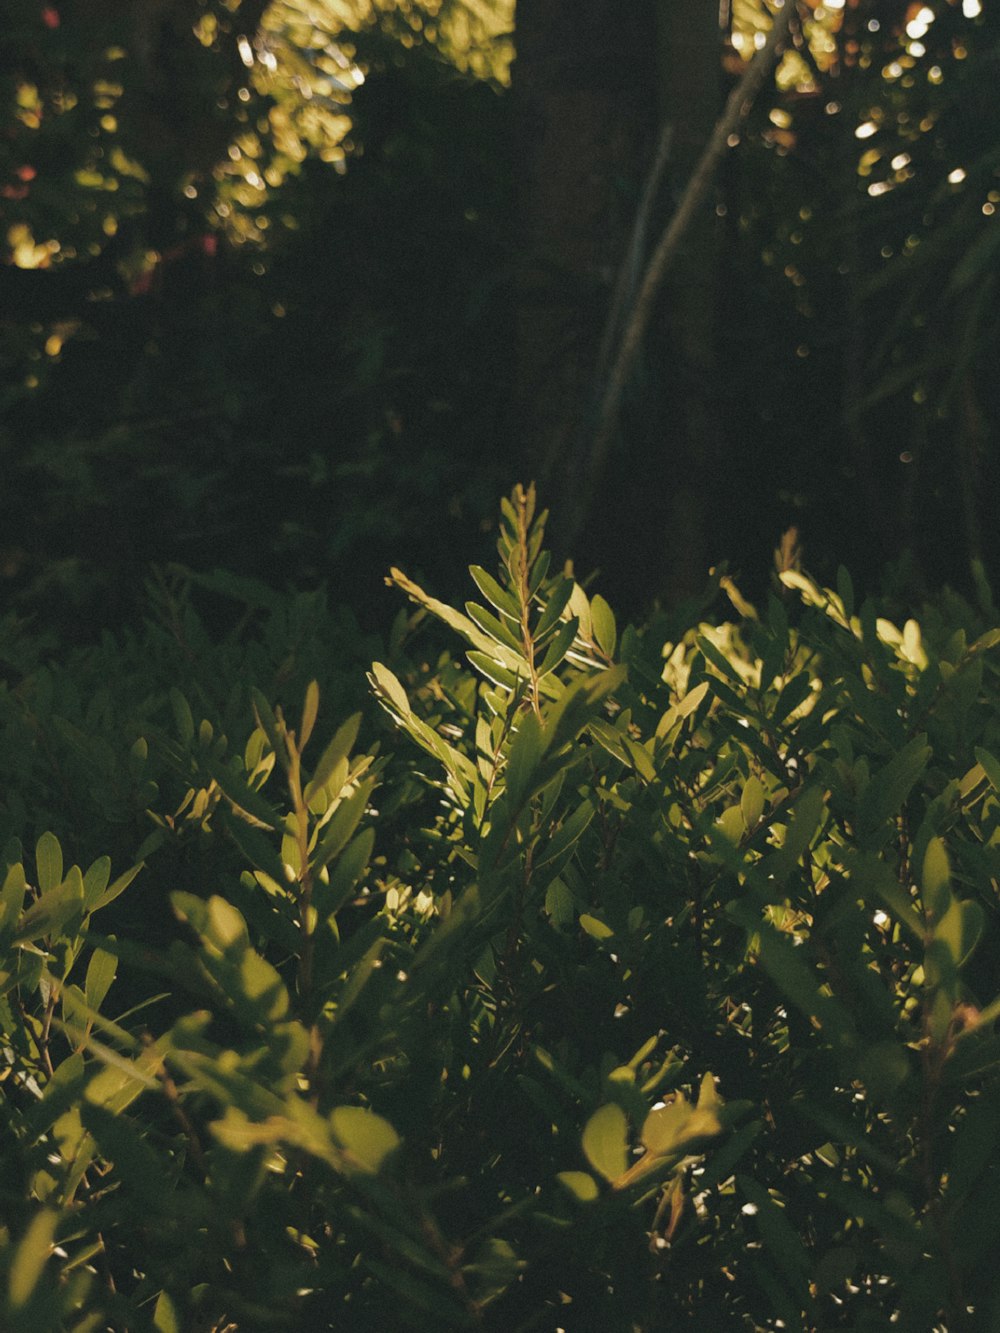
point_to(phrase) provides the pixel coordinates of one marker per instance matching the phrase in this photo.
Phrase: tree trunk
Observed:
(585, 116)
(692, 447)
(593, 85)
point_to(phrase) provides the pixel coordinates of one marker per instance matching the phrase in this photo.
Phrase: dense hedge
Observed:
(641, 980)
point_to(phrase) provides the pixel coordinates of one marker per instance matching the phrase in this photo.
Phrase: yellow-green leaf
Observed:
(48, 862)
(310, 710)
(935, 878)
(580, 1184)
(605, 1141)
(594, 927)
(31, 1257)
(365, 1136)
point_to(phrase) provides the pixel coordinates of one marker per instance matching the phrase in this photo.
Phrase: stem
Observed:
(524, 598)
(305, 875)
(50, 1009)
(631, 266)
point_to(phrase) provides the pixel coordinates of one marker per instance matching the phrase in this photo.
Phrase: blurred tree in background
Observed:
(211, 330)
(821, 349)
(296, 288)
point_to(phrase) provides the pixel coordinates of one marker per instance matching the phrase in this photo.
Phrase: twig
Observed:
(737, 108)
(630, 269)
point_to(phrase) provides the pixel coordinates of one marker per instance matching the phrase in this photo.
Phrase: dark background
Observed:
(306, 363)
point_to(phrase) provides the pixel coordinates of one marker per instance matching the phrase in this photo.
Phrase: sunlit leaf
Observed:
(310, 711)
(368, 1138)
(100, 974)
(605, 1141)
(503, 600)
(603, 621)
(31, 1256)
(580, 1184)
(595, 927)
(49, 862)
(935, 878)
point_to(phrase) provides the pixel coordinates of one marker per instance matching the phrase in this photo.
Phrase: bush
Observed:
(671, 1000)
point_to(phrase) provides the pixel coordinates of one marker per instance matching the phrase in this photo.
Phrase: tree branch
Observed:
(737, 108)
(630, 270)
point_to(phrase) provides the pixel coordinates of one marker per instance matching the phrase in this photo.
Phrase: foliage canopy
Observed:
(618, 977)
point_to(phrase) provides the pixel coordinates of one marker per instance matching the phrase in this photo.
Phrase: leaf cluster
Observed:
(638, 979)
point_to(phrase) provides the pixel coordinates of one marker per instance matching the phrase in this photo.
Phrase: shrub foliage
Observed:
(615, 981)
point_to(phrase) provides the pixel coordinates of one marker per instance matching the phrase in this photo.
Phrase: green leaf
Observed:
(793, 975)
(559, 903)
(165, 1316)
(231, 1088)
(560, 645)
(95, 881)
(493, 626)
(338, 749)
(218, 924)
(503, 600)
(493, 1269)
(15, 886)
(874, 877)
(935, 878)
(136, 1164)
(985, 641)
(51, 912)
(31, 1256)
(791, 697)
(183, 719)
(494, 671)
(684, 708)
(665, 1126)
(603, 622)
(720, 661)
(556, 604)
(389, 689)
(580, 1184)
(605, 1141)
(752, 801)
(361, 971)
(245, 802)
(731, 825)
(672, 1128)
(268, 723)
(580, 607)
(310, 711)
(454, 619)
(990, 766)
(594, 927)
(100, 974)
(722, 1161)
(368, 1138)
(565, 838)
(252, 987)
(351, 865)
(578, 704)
(117, 888)
(890, 787)
(341, 827)
(523, 759)
(960, 929)
(539, 572)
(48, 862)
(809, 811)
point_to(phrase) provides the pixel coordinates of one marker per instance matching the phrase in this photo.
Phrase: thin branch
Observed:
(631, 266)
(737, 108)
